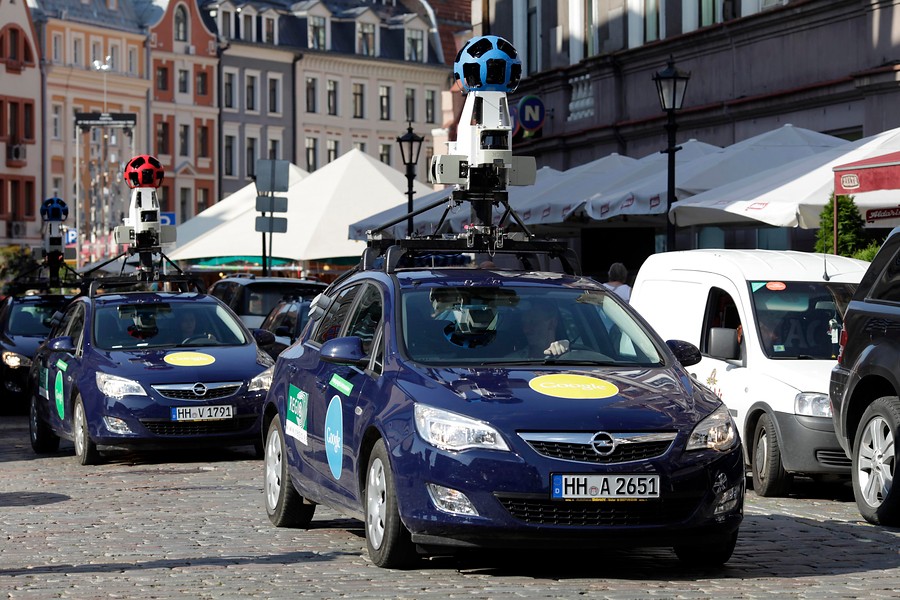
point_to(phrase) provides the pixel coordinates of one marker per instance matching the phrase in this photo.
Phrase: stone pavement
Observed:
(193, 526)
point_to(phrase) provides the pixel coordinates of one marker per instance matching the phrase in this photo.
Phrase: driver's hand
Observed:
(558, 347)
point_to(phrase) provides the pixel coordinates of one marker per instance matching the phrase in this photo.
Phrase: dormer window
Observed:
(317, 33)
(248, 27)
(226, 16)
(415, 45)
(269, 31)
(365, 39)
(181, 24)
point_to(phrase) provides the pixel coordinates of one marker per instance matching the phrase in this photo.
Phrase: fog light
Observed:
(728, 500)
(451, 501)
(116, 425)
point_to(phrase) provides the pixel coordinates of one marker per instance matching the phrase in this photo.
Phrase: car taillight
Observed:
(843, 343)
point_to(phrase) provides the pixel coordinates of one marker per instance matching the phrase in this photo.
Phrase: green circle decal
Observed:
(58, 395)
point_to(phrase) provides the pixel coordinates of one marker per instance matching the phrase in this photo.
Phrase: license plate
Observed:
(202, 413)
(603, 487)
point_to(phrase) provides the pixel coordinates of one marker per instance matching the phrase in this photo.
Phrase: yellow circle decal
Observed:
(189, 359)
(578, 387)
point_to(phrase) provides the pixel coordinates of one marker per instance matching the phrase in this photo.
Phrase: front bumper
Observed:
(809, 445)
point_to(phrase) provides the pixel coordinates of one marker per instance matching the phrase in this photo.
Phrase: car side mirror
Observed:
(723, 343)
(282, 331)
(344, 351)
(686, 353)
(263, 337)
(62, 344)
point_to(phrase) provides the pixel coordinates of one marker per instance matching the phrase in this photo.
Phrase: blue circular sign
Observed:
(334, 436)
(531, 113)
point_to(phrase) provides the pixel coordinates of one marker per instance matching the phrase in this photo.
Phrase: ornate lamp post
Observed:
(671, 84)
(410, 146)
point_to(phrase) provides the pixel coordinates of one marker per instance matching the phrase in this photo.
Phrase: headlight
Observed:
(14, 360)
(450, 431)
(812, 404)
(118, 387)
(262, 382)
(716, 432)
(263, 359)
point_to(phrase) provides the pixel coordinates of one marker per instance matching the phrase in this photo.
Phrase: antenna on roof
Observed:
(825, 261)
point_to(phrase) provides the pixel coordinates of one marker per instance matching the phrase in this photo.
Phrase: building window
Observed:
(384, 153)
(365, 39)
(310, 94)
(114, 58)
(229, 90)
(312, 152)
(56, 122)
(162, 78)
(430, 105)
(361, 146)
(270, 30)
(533, 33)
(332, 150)
(384, 102)
(251, 156)
(651, 20)
(202, 83)
(274, 149)
(410, 104)
(707, 10)
(332, 94)
(57, 48)
(229, 155)
(132, 61)
(76, 53)
(203, 141)
(96, 51)
(247, 28)
(317, 33)
(226, 24)
(185, 203)
(274, 95)
(181, 24)
(251, 92)
(182, 81)
(57, 187)
(162, 137)
(359, 100)
(202, 199)
(415, 45)
(184, 136)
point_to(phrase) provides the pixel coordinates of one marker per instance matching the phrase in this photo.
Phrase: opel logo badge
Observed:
(603, 443)
(199, 389)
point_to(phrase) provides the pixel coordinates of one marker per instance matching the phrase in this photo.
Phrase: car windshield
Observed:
(517, 325)
(800, 319)
(162, 324)
(260, 298)
(32, 318)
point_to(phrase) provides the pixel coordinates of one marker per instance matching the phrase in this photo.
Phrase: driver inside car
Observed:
(189, 328)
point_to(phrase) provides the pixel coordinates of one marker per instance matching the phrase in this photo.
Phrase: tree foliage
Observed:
(851, 227)
(15, 261)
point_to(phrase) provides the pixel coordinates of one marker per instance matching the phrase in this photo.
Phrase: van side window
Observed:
(721, 312)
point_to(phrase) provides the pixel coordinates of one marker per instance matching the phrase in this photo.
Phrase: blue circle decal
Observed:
(334, 436)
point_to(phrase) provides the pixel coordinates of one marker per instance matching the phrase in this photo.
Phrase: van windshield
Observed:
(800, 319)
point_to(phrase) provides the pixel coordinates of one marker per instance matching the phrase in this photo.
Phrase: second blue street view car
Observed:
(145, 370)
(456, 408)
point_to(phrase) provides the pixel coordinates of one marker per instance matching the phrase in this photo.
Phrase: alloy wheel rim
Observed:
(762, 456)
(875, 465)
(376, 500)
(273, 468)
(79, 430)
(34, 420)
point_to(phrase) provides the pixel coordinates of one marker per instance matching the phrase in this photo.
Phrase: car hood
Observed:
(179, 365)
(26, 345)
(802, 375)
(556, 398)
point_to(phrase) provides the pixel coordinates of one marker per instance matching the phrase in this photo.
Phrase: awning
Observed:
(870, 175)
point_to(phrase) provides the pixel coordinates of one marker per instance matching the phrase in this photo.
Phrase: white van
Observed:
(768, 324)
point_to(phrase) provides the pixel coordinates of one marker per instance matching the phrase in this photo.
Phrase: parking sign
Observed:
(71, 236)
(167, 218)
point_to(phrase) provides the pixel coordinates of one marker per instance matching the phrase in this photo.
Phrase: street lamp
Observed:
(410, 146)
(670, 85)
(104, 67)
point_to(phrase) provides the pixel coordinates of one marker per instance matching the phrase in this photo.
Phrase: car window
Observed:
(261, 297)
(75, 328)
(31, 318)
(275, 318)
(164, 324)
(329, 325)
(489, 325)
(366, 317)
(887, 286)
(224, 291)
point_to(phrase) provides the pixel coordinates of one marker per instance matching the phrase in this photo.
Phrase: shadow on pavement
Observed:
(31, 498)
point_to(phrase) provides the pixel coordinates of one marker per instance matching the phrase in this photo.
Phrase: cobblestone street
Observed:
(194, 526)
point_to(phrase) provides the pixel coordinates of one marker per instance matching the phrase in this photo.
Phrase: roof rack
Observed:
(179, 282)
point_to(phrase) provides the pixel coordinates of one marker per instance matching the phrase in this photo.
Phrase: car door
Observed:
(59, 369)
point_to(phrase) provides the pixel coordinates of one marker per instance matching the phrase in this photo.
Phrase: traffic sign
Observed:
(271, 224)
(71, 236)
(271, 204)
(531, 113)
(167, 218)
(272, 175)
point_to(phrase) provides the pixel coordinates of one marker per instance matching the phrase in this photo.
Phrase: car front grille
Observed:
(187, 391)
(540, 511)
(198, 427)
(580, 447)
(833, 458)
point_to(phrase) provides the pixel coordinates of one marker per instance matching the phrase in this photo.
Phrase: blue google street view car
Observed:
(145, 370)
(454, 408)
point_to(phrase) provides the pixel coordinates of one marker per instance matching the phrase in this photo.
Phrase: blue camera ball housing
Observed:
(488, 63)
(54, 209)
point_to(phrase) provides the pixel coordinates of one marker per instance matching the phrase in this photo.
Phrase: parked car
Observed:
(24, 324)
(767, 325)
(460, 408)
(252, 298)
(145, 370)
(285, 321)
(865, 385)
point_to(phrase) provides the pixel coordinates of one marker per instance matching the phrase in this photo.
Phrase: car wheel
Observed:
(387, 539)
(43, 440)
(769, 476)
(875, 462)
(85, 448)
(284, 505)
(709, 554)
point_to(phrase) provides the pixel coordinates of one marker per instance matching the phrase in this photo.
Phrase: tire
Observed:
(769, 477)
(875, 462)
(43, 440)
(387, 539)
(85, 449)
(284, 505)
(710, 554)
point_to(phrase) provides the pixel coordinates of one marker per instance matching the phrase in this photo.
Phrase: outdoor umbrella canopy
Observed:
(321, 207)
(869, 177)
(790, 195)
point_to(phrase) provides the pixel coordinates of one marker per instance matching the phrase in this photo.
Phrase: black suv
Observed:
(252, 298)
(285, 322)
(865, 385)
